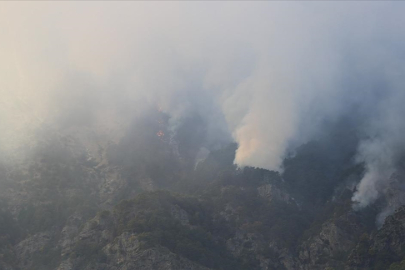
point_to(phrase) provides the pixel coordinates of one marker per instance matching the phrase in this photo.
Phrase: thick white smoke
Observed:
(264, 74)
(385, 146)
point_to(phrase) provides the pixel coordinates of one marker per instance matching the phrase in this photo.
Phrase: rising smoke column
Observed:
(264, 74)
(384, 148)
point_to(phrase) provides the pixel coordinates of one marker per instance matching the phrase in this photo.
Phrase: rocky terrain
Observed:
(84, 200)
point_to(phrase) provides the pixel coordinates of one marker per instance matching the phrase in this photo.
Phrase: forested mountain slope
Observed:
(143, 201)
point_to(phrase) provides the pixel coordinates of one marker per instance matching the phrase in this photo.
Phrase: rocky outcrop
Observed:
(270, 192)
(392, 235)
(253, 246)
(69, 231)
(236, 219)
(382, 248)
(29, 247)
(126, 254)
(123, 252)
(243, 241)
(330, 247)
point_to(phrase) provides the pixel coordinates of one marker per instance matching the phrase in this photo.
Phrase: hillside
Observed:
(140, 203)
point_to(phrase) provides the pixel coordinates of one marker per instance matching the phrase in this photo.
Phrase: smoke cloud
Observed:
(262, 74)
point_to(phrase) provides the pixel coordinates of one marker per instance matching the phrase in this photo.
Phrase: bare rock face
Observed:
(384, 246)
(331, 245)
(270, 192)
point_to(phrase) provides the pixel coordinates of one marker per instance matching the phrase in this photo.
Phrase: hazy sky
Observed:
(264, 74)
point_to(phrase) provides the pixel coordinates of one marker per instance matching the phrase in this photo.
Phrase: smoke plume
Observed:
(263, 74)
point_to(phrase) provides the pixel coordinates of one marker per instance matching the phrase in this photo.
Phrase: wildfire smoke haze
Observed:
(266, 75)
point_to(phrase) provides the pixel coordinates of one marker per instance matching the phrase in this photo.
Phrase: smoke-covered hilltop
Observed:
(265, 75)
(124, 97)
